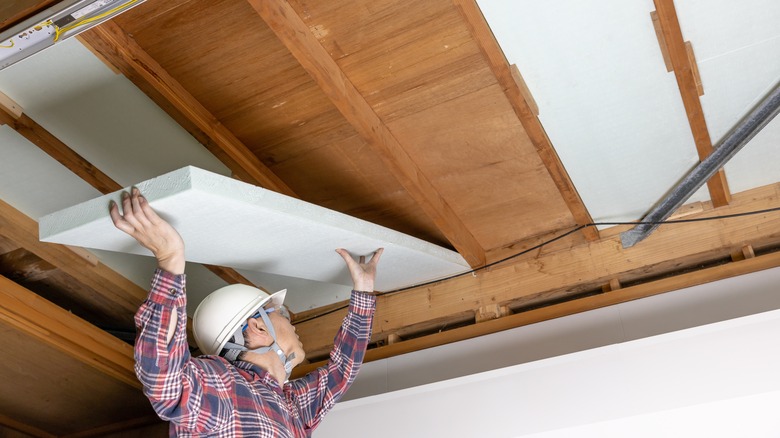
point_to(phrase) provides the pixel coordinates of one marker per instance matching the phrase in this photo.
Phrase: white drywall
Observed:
(230, 223)
(669, 365)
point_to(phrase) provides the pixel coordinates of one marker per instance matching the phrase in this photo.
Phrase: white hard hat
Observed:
(223, 311)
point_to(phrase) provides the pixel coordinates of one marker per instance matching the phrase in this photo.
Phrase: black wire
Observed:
(547, 242)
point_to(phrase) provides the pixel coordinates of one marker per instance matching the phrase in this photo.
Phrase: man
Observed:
(244, 393)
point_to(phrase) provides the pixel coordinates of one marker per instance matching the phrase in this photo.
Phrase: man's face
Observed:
(257, 335)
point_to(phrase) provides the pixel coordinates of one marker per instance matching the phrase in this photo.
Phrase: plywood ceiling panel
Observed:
(422, 57)
(228, 223)
(477, 154)
(268, 100)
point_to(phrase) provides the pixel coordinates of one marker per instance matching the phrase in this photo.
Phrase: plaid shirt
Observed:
(209, 396)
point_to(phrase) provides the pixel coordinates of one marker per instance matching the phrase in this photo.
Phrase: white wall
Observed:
(662, 366)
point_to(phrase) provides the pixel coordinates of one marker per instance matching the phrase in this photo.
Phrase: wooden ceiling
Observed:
(402, 113)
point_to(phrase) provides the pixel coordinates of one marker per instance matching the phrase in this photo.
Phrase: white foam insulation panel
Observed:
(614, 113)
(229, 223)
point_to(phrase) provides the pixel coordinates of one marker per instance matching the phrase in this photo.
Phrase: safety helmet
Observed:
(223, 311)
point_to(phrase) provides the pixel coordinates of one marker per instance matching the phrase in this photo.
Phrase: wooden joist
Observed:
(112, 42)
(46, 141)
(304, 46)
(586, 267)
(526, 111)
(681, 58)
(124, 295)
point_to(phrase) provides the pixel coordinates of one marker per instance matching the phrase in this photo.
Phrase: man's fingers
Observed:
(375, 257)
(118, 220)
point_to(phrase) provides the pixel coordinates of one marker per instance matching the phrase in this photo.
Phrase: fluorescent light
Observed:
(63, 20)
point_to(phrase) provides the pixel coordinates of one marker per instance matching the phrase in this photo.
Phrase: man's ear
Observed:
(259, 332)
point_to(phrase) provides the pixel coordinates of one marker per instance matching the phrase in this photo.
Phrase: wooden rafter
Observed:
(124, 295)
(60, 329)
(582, 268)
(525, 112)
(682, 62)
(304, 46)
(112, 42)
(41, 137)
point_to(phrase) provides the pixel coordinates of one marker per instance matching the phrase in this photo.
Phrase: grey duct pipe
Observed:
(722, 153)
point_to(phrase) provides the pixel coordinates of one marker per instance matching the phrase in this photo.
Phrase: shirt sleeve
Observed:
(316, 393)
(175, 388)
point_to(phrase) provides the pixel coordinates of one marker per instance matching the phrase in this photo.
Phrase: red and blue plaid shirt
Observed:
(209, 396)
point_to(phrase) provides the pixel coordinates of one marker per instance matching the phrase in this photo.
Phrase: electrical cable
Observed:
(58, 31)
(545, 243)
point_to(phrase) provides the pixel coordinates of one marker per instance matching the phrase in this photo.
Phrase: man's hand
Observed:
(363, 274)
(151, 231)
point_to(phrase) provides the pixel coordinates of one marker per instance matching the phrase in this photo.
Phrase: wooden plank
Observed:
(521, 319)
(533, 126)
(109, 37)
(686, 81)
(305, 47)
(585, 267)
(60, 329)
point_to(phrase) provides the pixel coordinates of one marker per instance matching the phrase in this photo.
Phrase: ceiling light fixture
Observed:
(57, 23)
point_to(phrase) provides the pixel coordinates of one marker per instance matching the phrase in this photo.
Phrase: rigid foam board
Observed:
(229, 223)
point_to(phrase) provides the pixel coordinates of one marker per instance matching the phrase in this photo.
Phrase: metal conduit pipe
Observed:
(738, 137)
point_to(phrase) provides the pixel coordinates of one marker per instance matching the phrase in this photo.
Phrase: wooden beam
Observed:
(685, 73)
(23, 231)
(573, 307)
(39, 136)
(581, 268)
(112, 41)
(304, 46)
(59, 329)
(526, 113)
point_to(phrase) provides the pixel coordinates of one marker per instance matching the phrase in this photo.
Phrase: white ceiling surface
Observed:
(613, 112)
(226, 222)
(113, 125)
(668, 365)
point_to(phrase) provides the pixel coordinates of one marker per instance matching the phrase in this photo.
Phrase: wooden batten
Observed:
(694, 68)
(491, 311)
(689, 83)
(659, 34)
(523, 87)
(613, 285)
(746, 252)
